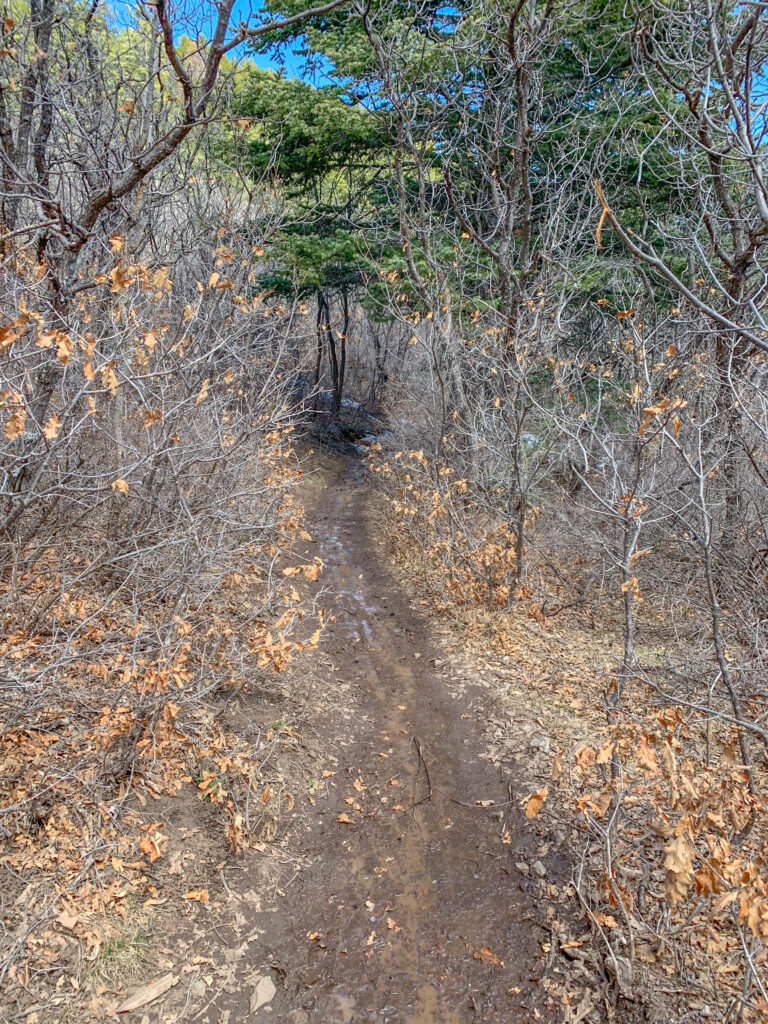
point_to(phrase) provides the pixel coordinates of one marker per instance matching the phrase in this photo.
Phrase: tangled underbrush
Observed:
(466, 555)
(673, 871)
(670, 822)
(147, 530)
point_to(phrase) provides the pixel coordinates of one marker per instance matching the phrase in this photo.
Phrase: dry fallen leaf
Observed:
(200, 895)
(678, 864)
(154, 845)
(235, 833)
(487, 957)
(176, 866)
(52, 428)
(535, 802)
(606, 920)
(67, 920)
(345, 819)
(14, 425)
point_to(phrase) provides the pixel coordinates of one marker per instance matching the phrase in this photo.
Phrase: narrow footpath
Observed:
(412, 911)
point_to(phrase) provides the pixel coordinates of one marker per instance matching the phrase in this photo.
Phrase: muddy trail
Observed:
(412, 911)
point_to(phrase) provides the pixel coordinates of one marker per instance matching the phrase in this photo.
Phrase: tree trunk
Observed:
(343, 344)
(318, 356)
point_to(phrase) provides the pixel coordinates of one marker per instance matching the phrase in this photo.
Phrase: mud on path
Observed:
(395, 896)
(412, 911)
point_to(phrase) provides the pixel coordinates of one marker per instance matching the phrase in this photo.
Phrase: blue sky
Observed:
(293, 65)
(193, 16)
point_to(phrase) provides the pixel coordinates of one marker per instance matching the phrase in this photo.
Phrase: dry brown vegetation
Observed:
(669, 820)
(534, 251)
(148, 517)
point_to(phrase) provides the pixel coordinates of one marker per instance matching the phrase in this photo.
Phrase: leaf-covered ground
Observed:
(393, 895)
(415, 860)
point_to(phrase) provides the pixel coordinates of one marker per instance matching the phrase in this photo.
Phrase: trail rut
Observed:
(412, 912)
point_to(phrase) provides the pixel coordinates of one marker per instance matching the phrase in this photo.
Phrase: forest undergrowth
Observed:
(667, 826)
(124, 705)
(517, 251)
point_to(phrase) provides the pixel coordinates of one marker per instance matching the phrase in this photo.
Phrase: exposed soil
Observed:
(404, 903)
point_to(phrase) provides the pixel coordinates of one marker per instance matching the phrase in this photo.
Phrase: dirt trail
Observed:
(414, 915)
